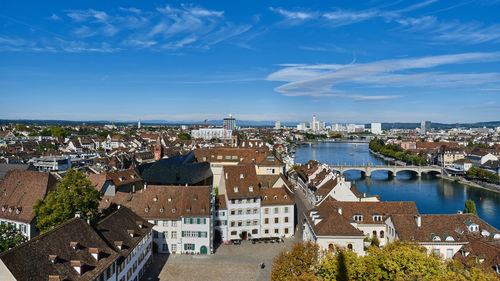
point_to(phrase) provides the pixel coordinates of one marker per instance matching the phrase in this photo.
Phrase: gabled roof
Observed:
(332, 223)
(454, 225)
(19, 191)
(369, 209)
(241, 181)
(30, 260)
(164, 202)
(478, 250)
(276, 196)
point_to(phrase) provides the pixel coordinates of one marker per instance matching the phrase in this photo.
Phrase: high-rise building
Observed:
(230, 123)
(425, 127)
(314, 126)
(277, 125)
(376, 128)
(139, 124)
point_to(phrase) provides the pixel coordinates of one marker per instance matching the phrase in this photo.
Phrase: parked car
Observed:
(237, 242)
(228, 243)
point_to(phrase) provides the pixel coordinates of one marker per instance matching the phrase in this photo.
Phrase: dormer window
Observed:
(169, 199)
(285, 196)
(435, 237)
(95, 253)
(10, 209)
(133, 176)
(161, 210)
(53, 258)
(77, 265)
(275, 197)
(18, 210)
(358, 218)
(146, 209)
(74, 245)
(250, 188)
(119, 244)
(122, 179)
(173, 210)
(131, 232)
(377, 218)
(155, 198)
(235, 189)
(241, 176)
(265, 197)
(485, 233)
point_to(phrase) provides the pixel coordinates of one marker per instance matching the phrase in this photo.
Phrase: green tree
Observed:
(20, 127)
(470, 207)
(10, 237)
(184, 136)
(297, 264)
(74, 193)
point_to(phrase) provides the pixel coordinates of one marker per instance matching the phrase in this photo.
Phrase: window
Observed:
(233, 211)
(189, 247)
(436, 252)
(255, 210)
(266, 231)
(286, 219)
(381, 234)
(255, 222)
(240, 211)
(358, 217)
(266, 220)
(174, 234)
(286, 230)
(240, 223)
(276, 220)
(233, 232)
(349, 247)
(374, 233)
(276, 231)
(232, 223)
(286, 209)
(266, 211)
(174, 223)
(254, 231)
(249, 211)
(235, 189)
(276, 210)
(249, 222)
(165, 234)
(250, 188)
(449, 253)
(165, 223)
(173, 248)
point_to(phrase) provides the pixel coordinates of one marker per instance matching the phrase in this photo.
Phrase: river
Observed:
(431, 194)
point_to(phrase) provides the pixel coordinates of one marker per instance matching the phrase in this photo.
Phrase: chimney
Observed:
(95, 253)
(131, 232)
(418, 220)
(119, 244)
(74, 245)
(53, 258)
(340, 210)
(77, 265)
(139, 224)
(78, 214)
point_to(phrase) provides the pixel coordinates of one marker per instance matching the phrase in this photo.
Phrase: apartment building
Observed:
(117, 248)
(182, 216)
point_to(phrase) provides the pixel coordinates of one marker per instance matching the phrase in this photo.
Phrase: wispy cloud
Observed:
(164, 28)
(341, 17)
(320, 80)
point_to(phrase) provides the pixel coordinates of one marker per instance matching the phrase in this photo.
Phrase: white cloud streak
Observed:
(319, 80)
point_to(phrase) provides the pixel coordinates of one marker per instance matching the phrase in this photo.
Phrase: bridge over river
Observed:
(392, 170)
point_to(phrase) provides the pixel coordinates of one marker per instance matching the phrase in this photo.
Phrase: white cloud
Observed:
(319, 80)
(293, 15)
(55, 17)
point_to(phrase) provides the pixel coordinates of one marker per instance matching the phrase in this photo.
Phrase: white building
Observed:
(376, 128)
(182, 216)
(338, 128)
(302, 126)
(51, 163)
(119, 247)
(277, 125)
(211, 133)
(354, 128)
(221, 219)
(277, 213)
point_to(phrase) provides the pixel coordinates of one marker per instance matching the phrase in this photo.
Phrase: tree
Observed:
(470, 207)
(74, 193)
(184, 136)
(298, 264)
(10, 237)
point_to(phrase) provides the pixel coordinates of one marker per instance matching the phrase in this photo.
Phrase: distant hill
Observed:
(241, 123)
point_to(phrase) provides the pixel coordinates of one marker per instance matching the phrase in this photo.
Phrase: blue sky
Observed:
(345, 61)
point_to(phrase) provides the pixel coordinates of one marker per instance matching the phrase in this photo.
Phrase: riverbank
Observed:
(481, 185)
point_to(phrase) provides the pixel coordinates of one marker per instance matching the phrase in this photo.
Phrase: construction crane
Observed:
(206, 122)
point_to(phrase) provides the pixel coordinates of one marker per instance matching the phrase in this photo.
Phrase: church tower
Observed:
(158, 149)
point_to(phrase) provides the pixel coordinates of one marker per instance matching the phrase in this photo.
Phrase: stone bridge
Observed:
(392, 170)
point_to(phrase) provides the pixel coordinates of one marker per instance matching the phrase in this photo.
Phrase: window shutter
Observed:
(204, 221)
(198, 220)
(183, 234)
(191, 220)
(199, 233)
(185, 247)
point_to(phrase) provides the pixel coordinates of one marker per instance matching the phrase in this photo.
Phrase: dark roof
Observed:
(180, 169)
(19, 191)
(119, 225)
(489, 252)
(368, 209)
(276, 196)
(4, 168)
(30, 260)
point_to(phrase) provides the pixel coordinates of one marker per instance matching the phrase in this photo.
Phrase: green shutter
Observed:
(185, 247)
(183, 234)
(198, 220)
(185, 220)
(199, 234)
(191, 220)
(204, 221)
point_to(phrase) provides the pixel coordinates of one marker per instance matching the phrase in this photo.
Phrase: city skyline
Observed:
(191, 61)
